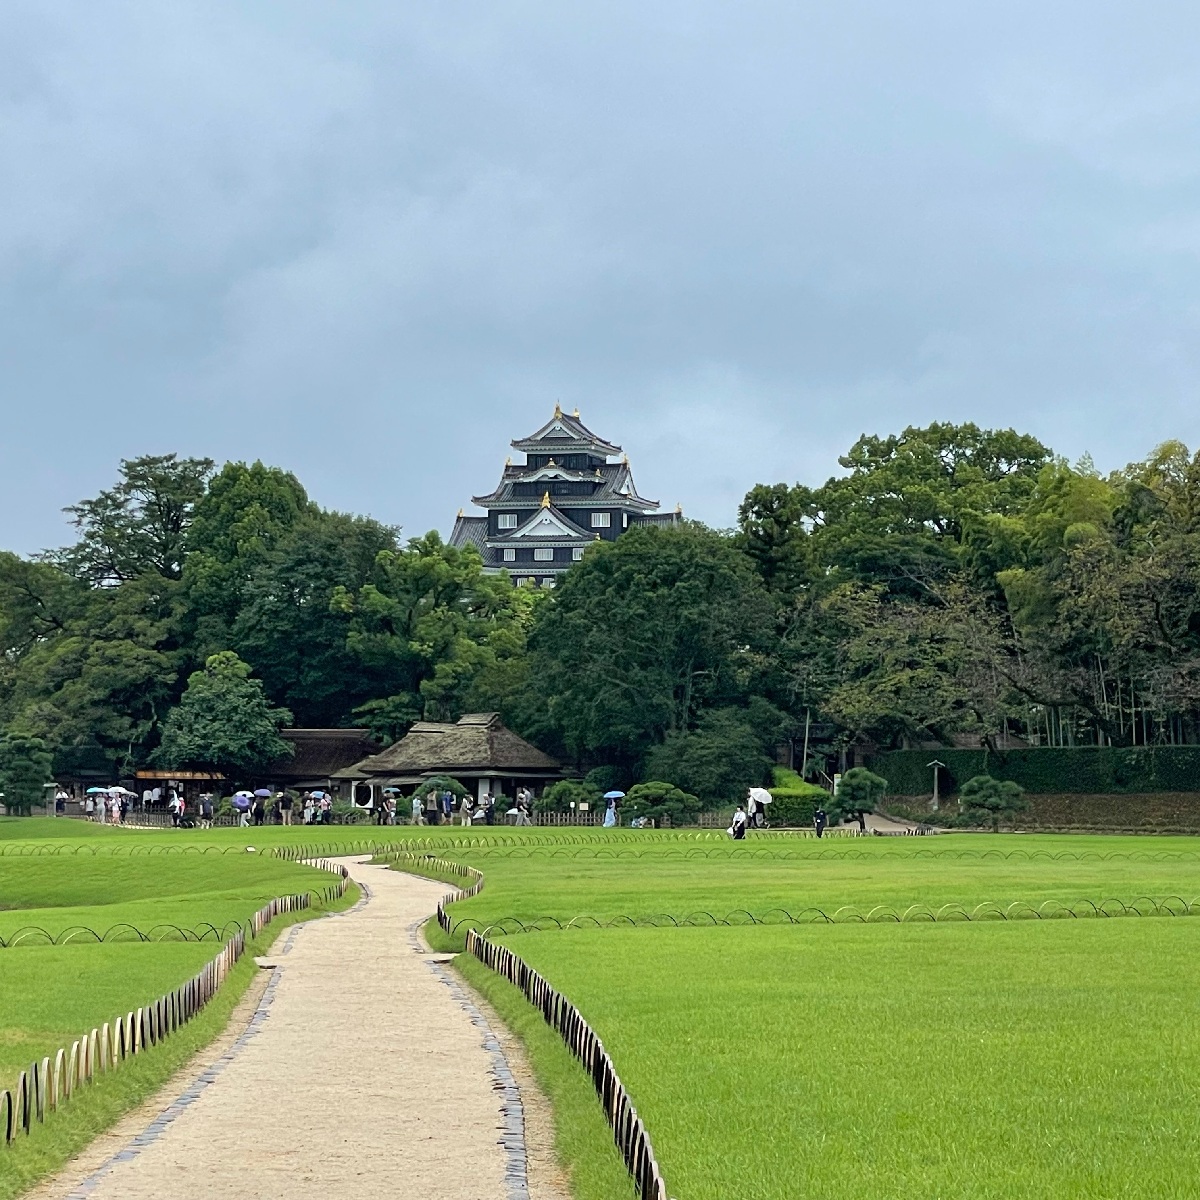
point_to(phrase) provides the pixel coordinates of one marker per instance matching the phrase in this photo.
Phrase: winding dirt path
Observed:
(364, 1070)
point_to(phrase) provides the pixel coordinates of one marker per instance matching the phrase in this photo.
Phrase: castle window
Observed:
(510, 556)
(506, 521)
(576, 553)
(601, 520)
(543, 554)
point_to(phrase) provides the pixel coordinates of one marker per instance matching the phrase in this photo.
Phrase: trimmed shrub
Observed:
(558, 796)
(795, 805)
(656, 799)
(994, 798)
(441, 783)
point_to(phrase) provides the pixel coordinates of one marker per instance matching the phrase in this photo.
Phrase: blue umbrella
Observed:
(263, 792)
(95, 791)
(614, 795)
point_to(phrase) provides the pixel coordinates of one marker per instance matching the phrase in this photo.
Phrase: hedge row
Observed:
(1090, 770)
(1173, 810)
(796, 805)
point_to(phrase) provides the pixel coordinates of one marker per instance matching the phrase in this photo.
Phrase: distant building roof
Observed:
(320, 753)
(476, 744)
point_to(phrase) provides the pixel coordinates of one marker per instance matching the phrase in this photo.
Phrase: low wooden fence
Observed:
(560, 1014)
(46, 1086)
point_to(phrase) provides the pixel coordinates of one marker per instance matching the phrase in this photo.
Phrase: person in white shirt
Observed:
(738, 828)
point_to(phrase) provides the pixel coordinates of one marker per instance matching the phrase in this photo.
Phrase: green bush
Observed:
(993, 798)
(795, 805)
(717, 762)
(1087, 770)
(559, 796)
(656, 799)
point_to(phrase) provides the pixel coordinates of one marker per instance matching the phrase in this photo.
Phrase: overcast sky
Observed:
(373, 242)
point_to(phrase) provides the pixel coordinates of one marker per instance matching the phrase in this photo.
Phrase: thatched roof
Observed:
(477, 743)
(319, 753)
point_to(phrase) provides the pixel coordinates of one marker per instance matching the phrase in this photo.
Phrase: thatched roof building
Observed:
(476, 747)
(319, 755)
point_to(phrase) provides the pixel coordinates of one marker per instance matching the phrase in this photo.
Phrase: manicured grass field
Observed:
(953, 1060)
(770, 877)
(1041, 1059)
(104, 891)
(51, 995)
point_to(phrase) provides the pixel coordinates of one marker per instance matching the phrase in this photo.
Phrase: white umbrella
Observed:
(760, 795)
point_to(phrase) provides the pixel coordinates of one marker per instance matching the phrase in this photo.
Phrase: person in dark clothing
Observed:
(489, 810)
(820, 820)
(257, 810)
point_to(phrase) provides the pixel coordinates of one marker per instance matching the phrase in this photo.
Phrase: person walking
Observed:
(448, 806)
(417, 819)
(820, 820)
(89, 808)
(465, 810)
(206, 810)
(610, 815)
(285, 807)
(431, 807)
(740, 821)
(489, 810)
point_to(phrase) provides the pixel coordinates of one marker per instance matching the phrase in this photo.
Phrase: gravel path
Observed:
(363, 1071)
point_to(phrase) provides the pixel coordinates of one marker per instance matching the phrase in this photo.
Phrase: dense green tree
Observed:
(910, 501)
(224, 722)
(436, 634)
(244, 515)
(773, 532)
(289, 628)
(644, 634)
(25, 765)
(717, 761)
(140, 526)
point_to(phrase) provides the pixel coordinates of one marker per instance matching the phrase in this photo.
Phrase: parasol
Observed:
(265, 793)
(614, 795)
(760, 795)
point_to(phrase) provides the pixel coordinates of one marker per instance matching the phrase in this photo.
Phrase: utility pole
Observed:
(936, 766)
(804, 758)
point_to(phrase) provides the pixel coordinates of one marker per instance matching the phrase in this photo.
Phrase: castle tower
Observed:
(546, 511)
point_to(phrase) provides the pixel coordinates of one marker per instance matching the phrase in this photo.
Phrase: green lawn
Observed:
(51, 995)
(1045, 1059)
(774, 877)
(105, 891)
(950, 1060)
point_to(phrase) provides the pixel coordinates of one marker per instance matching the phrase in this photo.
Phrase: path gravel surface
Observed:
(363, 1071)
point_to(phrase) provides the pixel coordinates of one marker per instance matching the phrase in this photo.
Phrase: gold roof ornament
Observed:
(508, 461)
(545, 499)
(575, 414)
(552, 463)
(679, 510)
(557, 409)
(460, 512)
(625, 460)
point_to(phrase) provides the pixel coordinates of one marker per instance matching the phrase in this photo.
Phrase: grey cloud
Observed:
(374, 242)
